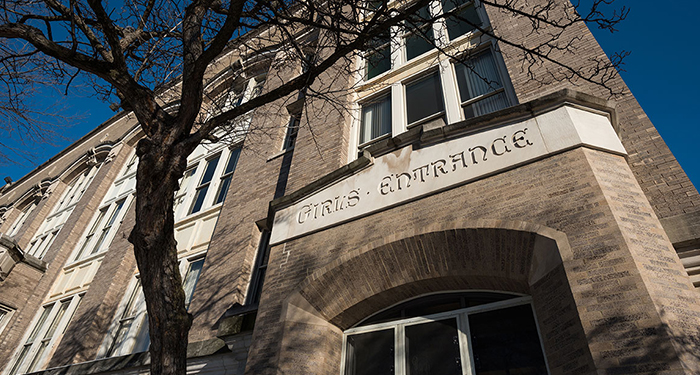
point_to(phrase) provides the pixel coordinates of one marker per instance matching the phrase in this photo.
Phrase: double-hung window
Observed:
(290, 138)
(5, 315)
(418, 35)
(54, 222)
(227, 175)
(204, 183)
(376, 119)
(462, 17)
(102, 230)
(480, 85)
(481, 338)
(378, 56)
(131, 331)
(45, 333)
(424, 99)
(21, 219)
(128, 332)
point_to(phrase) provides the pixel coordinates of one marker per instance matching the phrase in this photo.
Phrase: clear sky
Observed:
(661, 72)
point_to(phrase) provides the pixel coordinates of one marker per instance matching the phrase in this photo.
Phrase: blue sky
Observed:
(660, 73)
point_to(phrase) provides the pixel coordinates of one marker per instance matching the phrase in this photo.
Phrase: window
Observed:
(191, 278)
(5, 315)
(206, 182)
(131, 165)
(434, 89)
(376, 119)
(227, 175)
(466, 333)
(418, 37)
(424, 99)
(417, 34)
(292, 130)
(21, 219)
(378, 56)
(480, 87)
(54, 222)
(203, 187)
(47, 330)
(105, 221)
(463, 18)
(131, 332)
(257, 278)
(128, 330)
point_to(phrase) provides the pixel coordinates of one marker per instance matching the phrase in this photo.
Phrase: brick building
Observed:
(441, 224)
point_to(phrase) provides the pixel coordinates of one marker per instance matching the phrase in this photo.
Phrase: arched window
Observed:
(448, 334)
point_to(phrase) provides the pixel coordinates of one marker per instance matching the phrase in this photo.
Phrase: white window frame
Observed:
(400, 67)
(123, 189)
(184, 198)
(7, 313)
(22, 218)
(48, 231)
(461, 316)
(136, 334)
(40, 347)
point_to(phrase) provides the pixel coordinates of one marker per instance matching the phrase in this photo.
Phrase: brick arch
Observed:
(486, 255)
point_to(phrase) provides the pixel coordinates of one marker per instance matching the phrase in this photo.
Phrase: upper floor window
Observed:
(45, 333)
(5, 315)
(17, 225)
(131, 328)
(54, 222)
(426, 85)
(480, 85)
(376, 119)
(206, 181)
(418, 34)
(464, 334)
(111, 212)
(424, 99)
(290, 138)
(463, 17)
(421, 33)
(378, 56)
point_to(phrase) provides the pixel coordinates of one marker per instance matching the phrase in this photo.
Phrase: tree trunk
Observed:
(159, 169)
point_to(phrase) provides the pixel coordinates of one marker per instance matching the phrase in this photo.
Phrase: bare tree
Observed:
(148, 53)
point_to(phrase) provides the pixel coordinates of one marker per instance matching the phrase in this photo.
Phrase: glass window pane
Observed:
(420, 38)
(424, 98)
(417, 44)
(199, 199)
(57, 319)
(37, 356)
(223, 189)
(491, 104)
(478, 76)
(232, 160)
(39, 323)
(370, 353)
(433, 348)
(211, 167)
(20, 359)
(506, 342)
(119, 338)
(376, 119)
(463, 20)
(191, 280)
(378, 57)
